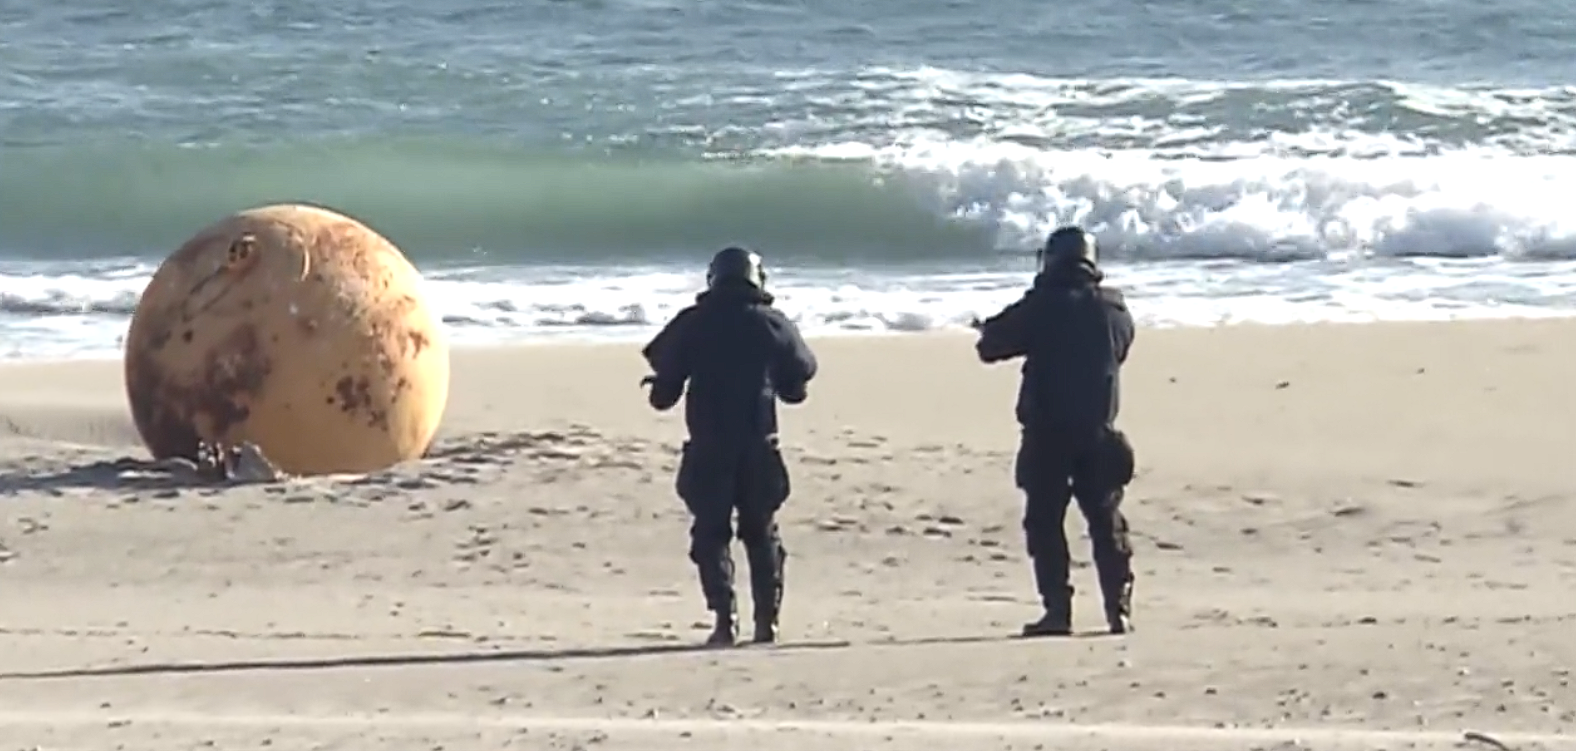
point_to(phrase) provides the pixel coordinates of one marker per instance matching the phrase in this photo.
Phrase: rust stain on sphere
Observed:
(297, 329)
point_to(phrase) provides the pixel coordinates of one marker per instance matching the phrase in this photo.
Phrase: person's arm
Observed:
(1124, 329)
(1005, 335)
(668, 356)
(793, 363)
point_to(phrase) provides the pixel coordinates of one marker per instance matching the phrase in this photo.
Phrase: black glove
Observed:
(662, 396)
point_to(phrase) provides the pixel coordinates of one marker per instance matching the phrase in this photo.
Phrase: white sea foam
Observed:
(68, 316)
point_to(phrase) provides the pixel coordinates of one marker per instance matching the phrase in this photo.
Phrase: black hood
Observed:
(736, 291)
(1078, 273)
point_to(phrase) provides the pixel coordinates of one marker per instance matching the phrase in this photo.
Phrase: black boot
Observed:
(1057, 621)
(1113, 561)
(767, 563)
(1119, 606)
(765, 629)
(716, 583)
(1050, 578)
(726, 631)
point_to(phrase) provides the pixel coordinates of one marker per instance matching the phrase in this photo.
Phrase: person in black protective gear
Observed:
(1074, 335)
(738, 354)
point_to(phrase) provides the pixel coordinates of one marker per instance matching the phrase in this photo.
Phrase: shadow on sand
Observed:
(125, 474)
(528, 655)
(397, 660)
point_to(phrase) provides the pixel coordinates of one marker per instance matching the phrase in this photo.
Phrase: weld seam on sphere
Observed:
(295, 328)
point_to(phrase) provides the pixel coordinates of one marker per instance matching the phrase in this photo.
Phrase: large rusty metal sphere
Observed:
(296, 329)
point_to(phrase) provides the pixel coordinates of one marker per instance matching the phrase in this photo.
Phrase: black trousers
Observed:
(1093, 467)
(717, 481)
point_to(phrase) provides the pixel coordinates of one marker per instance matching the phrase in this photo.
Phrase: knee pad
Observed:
(706, 539)
(1041, 514)
(1038, 539)
(1107, 532)
(1099, 525)
(756, 534)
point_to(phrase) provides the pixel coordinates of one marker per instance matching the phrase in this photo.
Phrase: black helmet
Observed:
(1067, 245)
(738, 265)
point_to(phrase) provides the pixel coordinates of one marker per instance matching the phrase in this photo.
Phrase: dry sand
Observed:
(1348, 536)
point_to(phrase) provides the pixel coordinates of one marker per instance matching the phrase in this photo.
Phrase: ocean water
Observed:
(566, 167)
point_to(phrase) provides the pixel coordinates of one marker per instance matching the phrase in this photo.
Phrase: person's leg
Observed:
(1100, 480)
(763, 489)
(1041, 472)
(707, 488)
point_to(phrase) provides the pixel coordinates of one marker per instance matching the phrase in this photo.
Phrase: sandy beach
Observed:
(1358, 536)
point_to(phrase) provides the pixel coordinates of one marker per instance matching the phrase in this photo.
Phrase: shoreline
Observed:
(504, 305)
(639, 339)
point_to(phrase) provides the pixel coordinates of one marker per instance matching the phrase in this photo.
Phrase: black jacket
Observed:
(1074, 335)
(737, 354)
